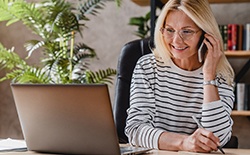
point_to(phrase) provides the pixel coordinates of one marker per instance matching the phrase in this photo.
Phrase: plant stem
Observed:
(71, 53)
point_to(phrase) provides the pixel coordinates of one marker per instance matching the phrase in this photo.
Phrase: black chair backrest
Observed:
(130, 53)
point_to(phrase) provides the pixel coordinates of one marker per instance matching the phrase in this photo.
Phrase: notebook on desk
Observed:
(68, 119)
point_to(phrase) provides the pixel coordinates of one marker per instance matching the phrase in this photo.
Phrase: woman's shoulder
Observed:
(146, 59)
(149, 58)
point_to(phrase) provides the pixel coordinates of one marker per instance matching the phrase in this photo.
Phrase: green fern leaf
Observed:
(32, 45)
(12, 21)
(101, 76)
(90, 7)
(32, 75)
(10, 60)
(5, 11)
(11, 75)
(82, 51)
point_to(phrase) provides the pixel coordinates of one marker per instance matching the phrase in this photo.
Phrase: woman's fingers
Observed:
(213, 45)
(209, 139)
(206, 140)
(201, 141)
(213, 55)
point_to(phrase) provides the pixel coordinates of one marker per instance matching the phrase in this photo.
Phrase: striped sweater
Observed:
(165, 97)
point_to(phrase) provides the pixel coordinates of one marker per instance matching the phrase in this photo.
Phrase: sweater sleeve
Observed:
(216, 115)
(139, 127)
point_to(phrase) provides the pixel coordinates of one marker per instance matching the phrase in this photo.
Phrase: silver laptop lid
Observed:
(69, 119)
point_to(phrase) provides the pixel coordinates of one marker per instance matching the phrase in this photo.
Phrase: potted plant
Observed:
(56, 22)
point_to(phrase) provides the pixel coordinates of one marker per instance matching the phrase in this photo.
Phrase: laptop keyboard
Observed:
(126, 149)
(130, 150)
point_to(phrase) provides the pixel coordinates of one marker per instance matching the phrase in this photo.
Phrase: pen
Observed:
(200, 126)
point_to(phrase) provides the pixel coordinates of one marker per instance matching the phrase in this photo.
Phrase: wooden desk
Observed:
(227, 151)
(154, 152)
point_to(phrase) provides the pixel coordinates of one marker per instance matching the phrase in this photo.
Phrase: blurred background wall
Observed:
(107, 33)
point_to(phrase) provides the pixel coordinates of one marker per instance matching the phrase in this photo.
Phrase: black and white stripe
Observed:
(165, 97)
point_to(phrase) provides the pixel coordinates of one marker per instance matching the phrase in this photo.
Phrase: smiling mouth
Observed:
(179, 48)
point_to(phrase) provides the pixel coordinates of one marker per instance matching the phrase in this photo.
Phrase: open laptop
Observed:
(68, 119)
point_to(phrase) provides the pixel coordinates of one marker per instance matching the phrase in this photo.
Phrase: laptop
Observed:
(68, 119)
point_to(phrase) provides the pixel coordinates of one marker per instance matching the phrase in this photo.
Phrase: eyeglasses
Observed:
(185, 34)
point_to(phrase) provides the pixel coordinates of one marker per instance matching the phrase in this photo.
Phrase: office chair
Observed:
(129, 55)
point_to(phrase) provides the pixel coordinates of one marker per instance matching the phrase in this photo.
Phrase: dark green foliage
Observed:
(142, 24)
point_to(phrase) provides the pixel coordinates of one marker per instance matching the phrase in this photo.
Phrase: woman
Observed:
(170, 86)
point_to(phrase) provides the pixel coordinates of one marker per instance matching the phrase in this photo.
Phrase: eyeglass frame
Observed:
(178, 32)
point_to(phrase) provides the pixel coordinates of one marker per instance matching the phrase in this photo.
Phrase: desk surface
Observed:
(227, 151)
(154, 152)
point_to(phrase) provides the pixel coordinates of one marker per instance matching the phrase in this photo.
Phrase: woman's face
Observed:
(181, 35)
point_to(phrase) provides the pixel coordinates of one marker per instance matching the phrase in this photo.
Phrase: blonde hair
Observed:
(201, 13)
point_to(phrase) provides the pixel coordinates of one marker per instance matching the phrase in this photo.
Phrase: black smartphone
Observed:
(202, 49)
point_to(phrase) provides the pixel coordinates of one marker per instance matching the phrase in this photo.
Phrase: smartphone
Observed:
(202, 49)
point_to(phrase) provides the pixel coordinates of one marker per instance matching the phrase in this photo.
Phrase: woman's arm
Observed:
(218, 101)
(210, 65)
(139, 127)
(216, 114)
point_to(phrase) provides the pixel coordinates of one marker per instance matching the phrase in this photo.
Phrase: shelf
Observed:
(147, 2)
(237, 54)
(240, 113)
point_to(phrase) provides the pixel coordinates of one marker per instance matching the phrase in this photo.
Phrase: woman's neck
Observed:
(187, 64)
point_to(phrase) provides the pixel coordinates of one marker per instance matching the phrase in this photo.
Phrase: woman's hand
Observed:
(213, 57)
(201, 141)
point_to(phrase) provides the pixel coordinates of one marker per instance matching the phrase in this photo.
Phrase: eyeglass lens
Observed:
(185, 34)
